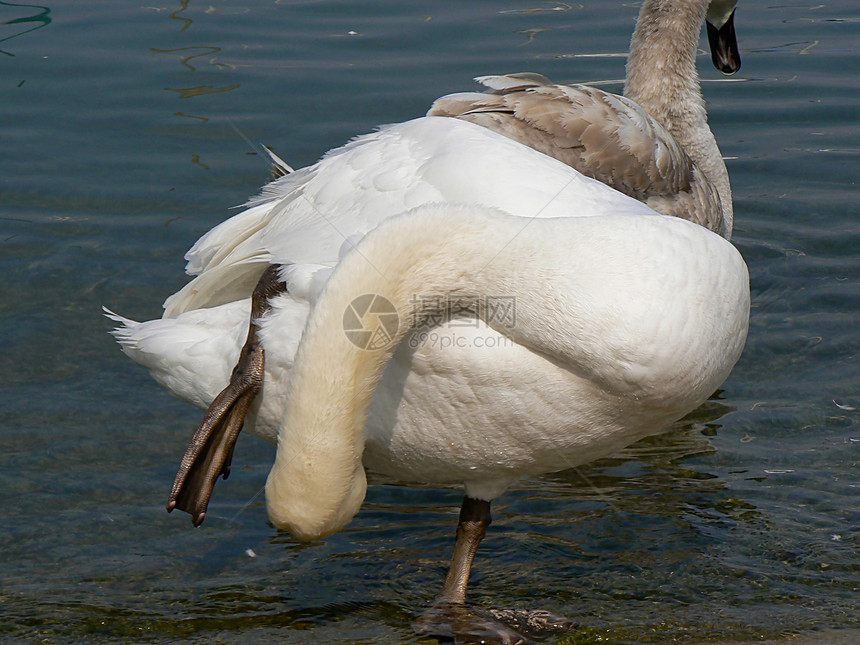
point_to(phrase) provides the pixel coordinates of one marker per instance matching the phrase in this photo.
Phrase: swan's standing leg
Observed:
(449, 615)
(472, 527)
(211, 449)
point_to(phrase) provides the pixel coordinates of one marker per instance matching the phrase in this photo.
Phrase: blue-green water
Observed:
(122, 139)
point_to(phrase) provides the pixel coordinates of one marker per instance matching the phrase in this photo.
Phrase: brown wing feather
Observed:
(602, 135)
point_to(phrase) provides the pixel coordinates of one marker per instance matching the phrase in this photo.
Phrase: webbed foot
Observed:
(466, 624)
(211, 449)
(451, 617)
(470, 624)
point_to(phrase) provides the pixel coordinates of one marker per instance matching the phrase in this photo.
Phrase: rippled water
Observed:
(123, 131)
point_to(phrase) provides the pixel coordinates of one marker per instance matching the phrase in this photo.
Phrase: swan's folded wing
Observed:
(313, 215)
(602, 135)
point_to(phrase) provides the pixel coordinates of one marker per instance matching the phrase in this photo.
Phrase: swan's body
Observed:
(454, 410)
(590, 364)
(544, 320)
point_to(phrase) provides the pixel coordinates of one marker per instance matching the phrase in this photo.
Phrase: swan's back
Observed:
(602, 135)
(314, 215)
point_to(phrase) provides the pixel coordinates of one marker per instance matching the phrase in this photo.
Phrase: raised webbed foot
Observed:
(211, 449)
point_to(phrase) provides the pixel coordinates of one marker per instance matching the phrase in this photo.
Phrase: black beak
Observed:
(724, 46)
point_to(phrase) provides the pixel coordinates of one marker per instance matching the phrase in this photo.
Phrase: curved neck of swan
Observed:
(662, 78)
(317, 483)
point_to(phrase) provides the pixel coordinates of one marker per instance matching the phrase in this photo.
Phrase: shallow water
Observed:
(125, 131)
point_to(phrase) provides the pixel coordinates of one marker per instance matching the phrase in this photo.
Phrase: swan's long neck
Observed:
(663, 79)
(570, 281)
(317, 483)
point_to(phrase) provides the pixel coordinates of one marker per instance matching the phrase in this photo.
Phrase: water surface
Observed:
(128, 129)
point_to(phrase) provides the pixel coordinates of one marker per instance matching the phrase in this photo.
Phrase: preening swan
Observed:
(585, 320)
(654, 142)
(623, 363)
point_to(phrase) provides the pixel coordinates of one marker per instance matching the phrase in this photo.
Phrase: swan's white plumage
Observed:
(306, 216)
(190, 355)
(625, 319)
(645, 349)
(624, 323)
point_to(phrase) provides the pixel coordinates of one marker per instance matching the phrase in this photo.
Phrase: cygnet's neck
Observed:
(662, 78)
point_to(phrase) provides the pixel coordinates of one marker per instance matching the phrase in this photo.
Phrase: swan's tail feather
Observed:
(280, 168)
(223, 283)
(513, 82)
(191, 355)
(125, 334)
(220, 241)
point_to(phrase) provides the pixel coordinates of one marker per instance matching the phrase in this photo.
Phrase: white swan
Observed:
(654, 142)
(541, 320)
